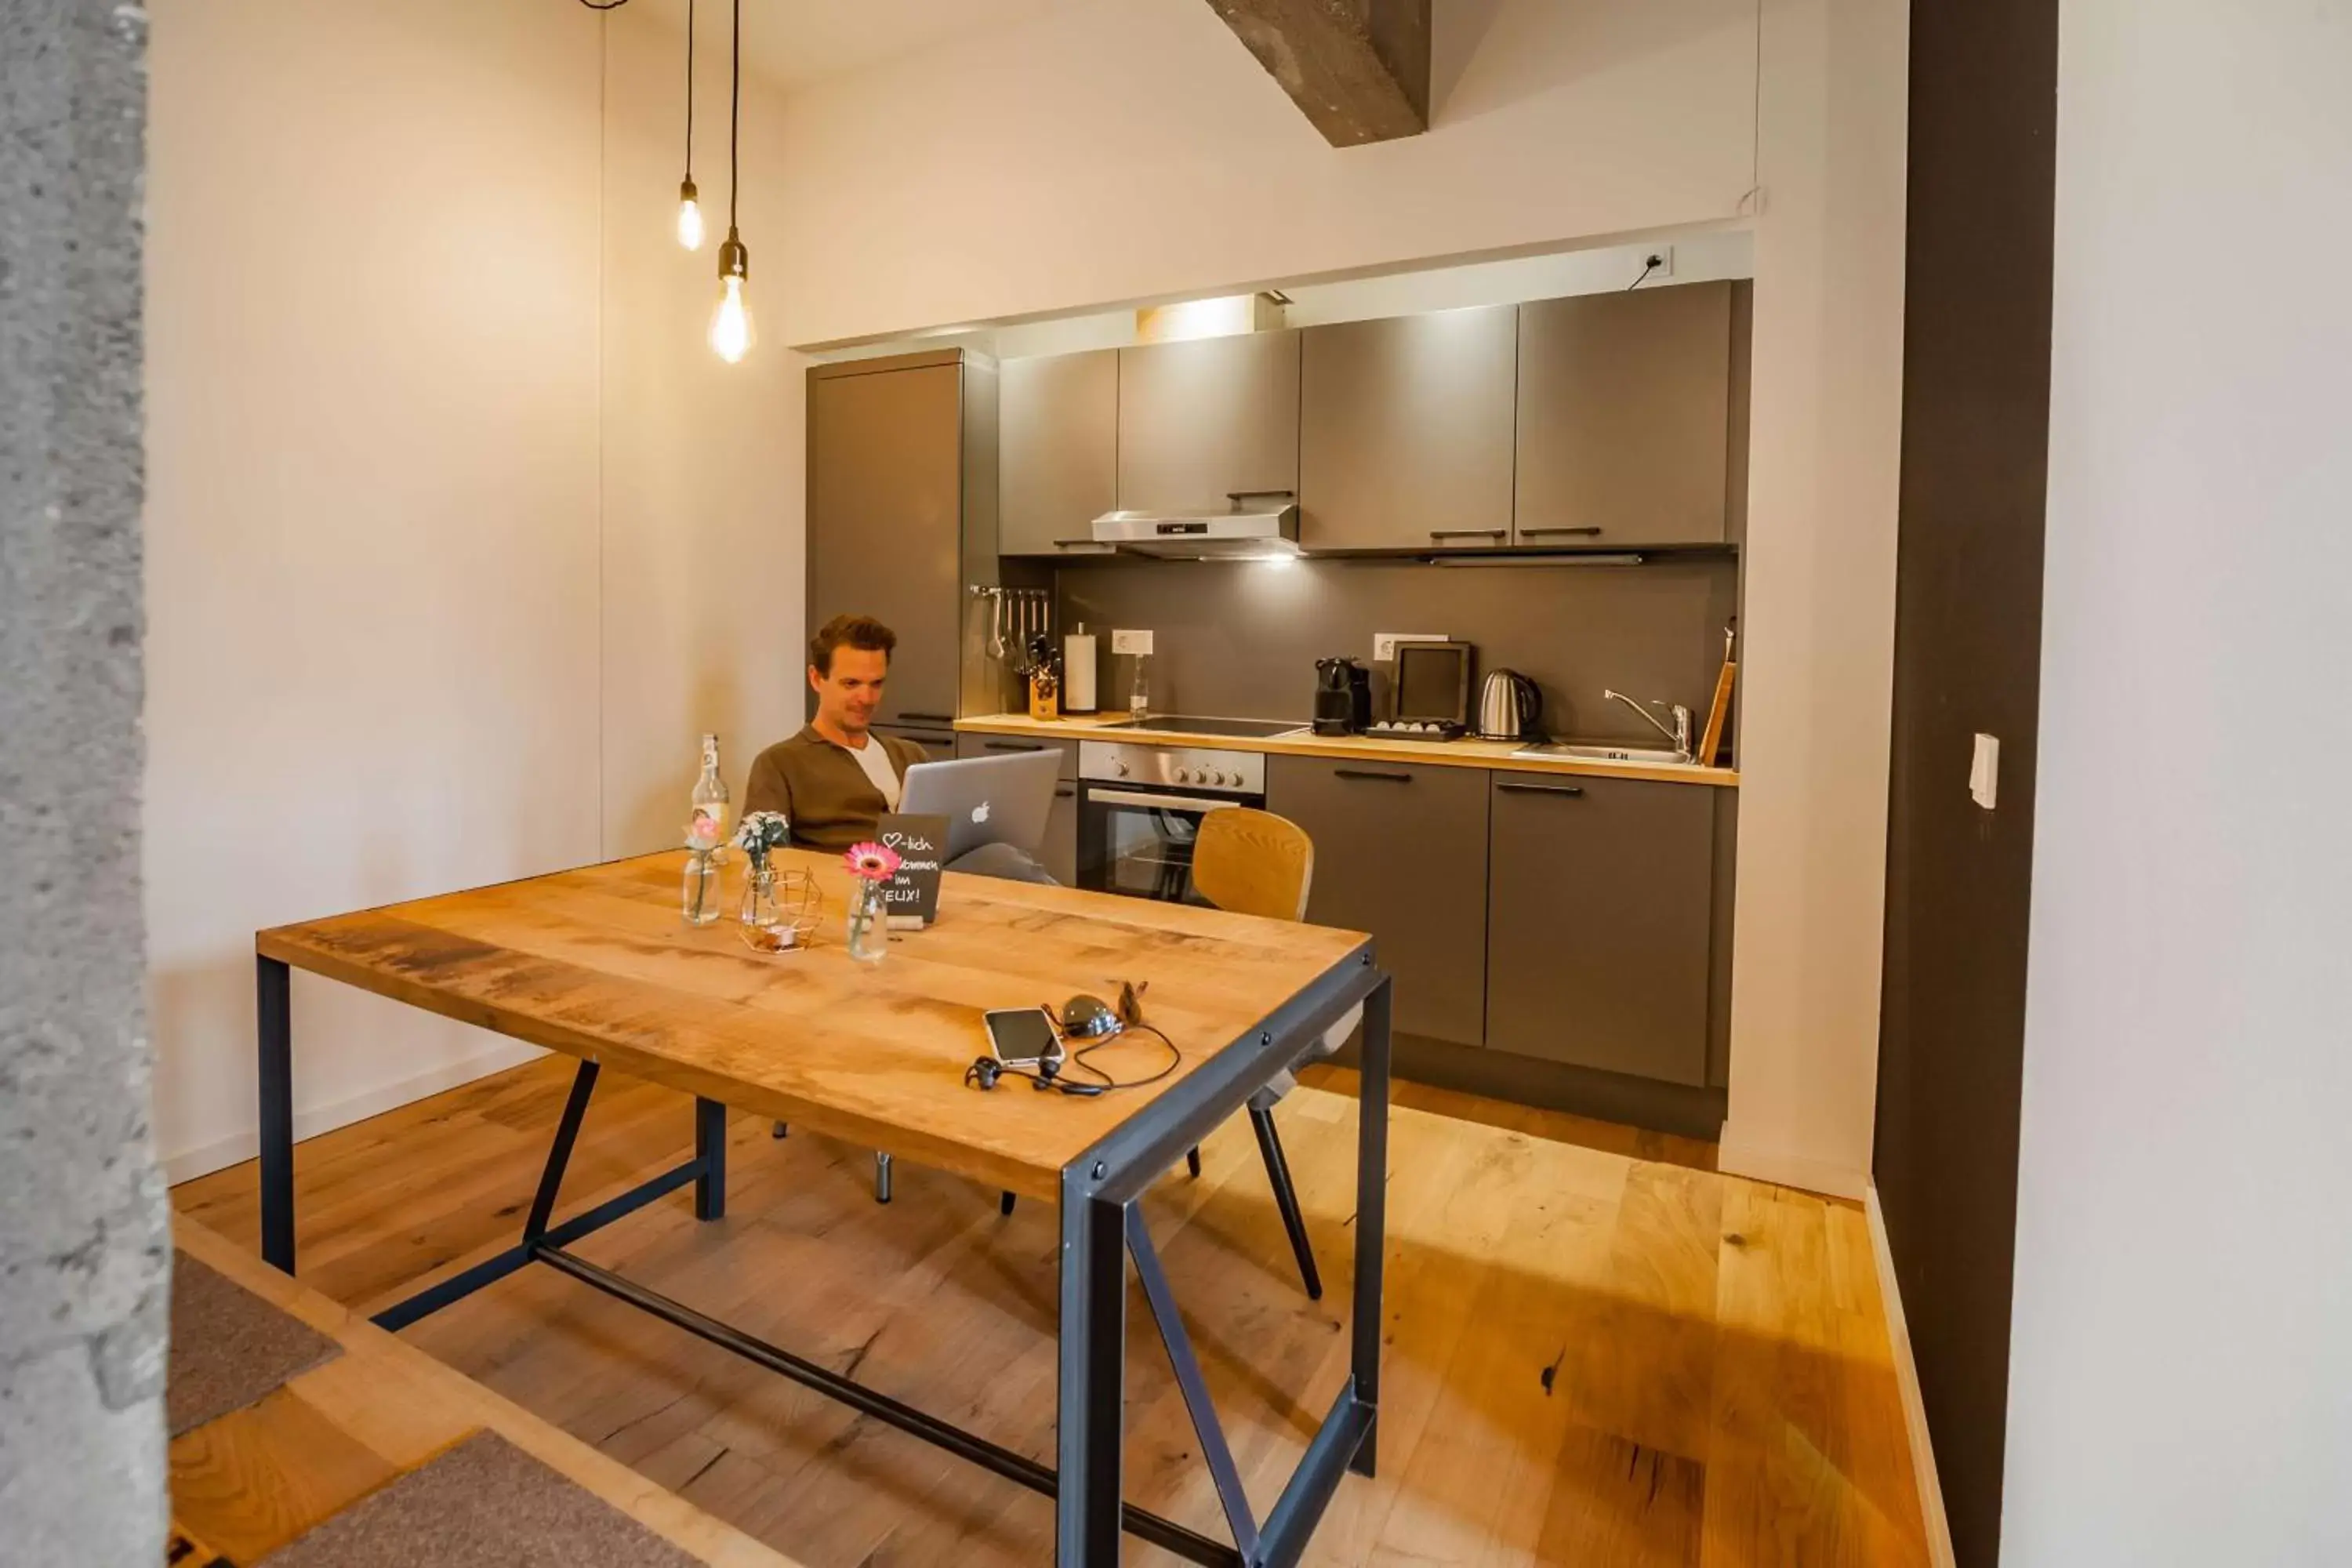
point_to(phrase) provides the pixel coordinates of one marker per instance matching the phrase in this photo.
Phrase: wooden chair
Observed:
(1256, 863)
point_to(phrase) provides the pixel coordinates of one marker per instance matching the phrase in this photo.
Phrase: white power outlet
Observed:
(1663, 254)
(1131, 642)
(1384, 642)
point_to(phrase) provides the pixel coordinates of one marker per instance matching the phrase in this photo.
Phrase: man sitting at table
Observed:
(834, 779)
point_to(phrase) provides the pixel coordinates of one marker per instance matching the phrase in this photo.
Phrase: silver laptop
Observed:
(986, 800)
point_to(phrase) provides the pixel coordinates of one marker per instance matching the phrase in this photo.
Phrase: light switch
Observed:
(1984, 771)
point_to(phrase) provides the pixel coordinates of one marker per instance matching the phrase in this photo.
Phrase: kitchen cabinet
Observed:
(1400, 852)
(1598, 923)
(1059, 853)
(1406, 431)
(887, 449)
(1059, 452)
(1204, 419)
(1625, 417)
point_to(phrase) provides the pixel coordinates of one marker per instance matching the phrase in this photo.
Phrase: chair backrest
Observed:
(1254, 863)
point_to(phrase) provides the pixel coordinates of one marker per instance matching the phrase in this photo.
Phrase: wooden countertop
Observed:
(1464, 754)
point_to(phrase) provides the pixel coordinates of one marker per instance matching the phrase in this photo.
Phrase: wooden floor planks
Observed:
(1598, 1350)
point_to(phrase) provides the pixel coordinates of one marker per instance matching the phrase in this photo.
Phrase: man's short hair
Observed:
(862, 632)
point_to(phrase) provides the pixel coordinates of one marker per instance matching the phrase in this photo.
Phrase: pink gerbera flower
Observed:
(875, 862)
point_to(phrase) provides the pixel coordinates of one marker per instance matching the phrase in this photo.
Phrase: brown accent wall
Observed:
(1241, 638)
(1968, 643)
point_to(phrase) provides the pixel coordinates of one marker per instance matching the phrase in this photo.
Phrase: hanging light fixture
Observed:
(730, 324)
(689, 210)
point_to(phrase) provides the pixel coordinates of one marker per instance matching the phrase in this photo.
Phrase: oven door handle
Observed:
(1154, 802)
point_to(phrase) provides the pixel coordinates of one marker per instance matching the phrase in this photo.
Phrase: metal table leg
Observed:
(274, 1009)
(711, 1152)
(1093, 1395)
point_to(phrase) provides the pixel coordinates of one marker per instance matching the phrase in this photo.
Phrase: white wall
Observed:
(455, 529)
(2181, 1377)
(1129, 150)
(703, 483)
(372, 551)
(1817, 645)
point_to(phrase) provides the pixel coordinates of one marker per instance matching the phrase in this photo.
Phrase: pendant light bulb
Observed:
(731, 334)
(690, 217)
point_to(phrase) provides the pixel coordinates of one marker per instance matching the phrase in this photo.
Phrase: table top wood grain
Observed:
(597, 963)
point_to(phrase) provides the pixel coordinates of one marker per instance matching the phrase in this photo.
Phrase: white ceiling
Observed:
(796, 42)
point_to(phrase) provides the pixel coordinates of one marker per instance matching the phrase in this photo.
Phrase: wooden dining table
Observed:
(597, 963)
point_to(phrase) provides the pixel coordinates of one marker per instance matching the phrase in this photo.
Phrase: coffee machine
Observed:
(1343, 697)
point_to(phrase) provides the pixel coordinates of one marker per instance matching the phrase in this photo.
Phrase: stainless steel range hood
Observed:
(1255, 528)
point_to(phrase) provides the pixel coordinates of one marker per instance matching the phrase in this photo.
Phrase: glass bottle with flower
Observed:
(765, 924)
(702, 900)
(871, 866)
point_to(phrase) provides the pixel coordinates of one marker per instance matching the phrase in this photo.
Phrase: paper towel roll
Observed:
(1079, 671)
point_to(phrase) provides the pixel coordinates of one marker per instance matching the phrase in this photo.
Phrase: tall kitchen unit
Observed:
(902, 518)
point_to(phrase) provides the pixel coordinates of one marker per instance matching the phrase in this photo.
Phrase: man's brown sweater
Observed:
(819, 786)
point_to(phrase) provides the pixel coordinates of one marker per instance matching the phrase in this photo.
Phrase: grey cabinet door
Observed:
(1400, 852)
(1625, 417)
(1405, 431)
(1598, 924)
(1058, 448)
(1201, 420)
(884, 481)
(1059, 853)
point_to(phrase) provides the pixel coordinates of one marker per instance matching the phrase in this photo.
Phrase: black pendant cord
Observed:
(689, 90)
(734, 117)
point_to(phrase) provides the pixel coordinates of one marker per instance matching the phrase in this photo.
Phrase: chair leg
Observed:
(778, 1131)
(1005, 1204)
(1193, 1160)
(1285, 1198)
(881, 1177)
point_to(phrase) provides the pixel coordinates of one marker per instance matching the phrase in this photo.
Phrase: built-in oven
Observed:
(1140, 808)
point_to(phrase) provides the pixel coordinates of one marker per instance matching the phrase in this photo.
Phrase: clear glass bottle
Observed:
(1139, 695)
(710, 801)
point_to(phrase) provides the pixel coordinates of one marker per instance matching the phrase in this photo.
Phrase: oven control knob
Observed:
(1119, 767)
(1231, 781)
(1183, 776)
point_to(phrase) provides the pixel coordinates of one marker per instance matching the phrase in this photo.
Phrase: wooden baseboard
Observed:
(1906, 1382)
(221, 1153)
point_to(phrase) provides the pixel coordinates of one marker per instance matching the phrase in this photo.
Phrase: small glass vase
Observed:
(869, 928)
(703, 903)
(766, 926)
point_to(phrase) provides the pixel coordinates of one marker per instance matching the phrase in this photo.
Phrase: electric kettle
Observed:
(1509, 706)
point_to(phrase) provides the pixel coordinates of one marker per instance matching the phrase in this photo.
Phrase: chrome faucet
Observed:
(1680, 734)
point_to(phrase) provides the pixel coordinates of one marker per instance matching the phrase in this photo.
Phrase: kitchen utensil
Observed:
(1719, 713)
(1510, 707)
(1343, 697)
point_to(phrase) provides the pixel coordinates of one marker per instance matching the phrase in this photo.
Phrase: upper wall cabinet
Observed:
(1405, 438)
(1060, 449)
(1625, 417)
(1202, 420)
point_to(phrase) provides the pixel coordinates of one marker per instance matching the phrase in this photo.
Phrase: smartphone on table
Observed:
(1023, 1036)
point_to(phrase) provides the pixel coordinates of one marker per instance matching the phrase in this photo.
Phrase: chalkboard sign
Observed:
(912, 897)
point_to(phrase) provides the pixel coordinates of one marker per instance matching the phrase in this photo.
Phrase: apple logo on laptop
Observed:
(980, 812)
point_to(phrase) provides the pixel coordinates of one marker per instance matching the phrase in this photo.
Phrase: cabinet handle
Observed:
(1237, 497)
(1585, 532)
(1369, 773)
(1542, 789)
(1064, 792)
(1468, 533)
(1067, 544)
(1011, 746)
(922, 719)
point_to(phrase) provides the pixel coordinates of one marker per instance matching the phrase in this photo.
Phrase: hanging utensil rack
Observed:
(1015, 614)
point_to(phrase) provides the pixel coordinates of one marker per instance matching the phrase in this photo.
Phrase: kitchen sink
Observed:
(1648, 757)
